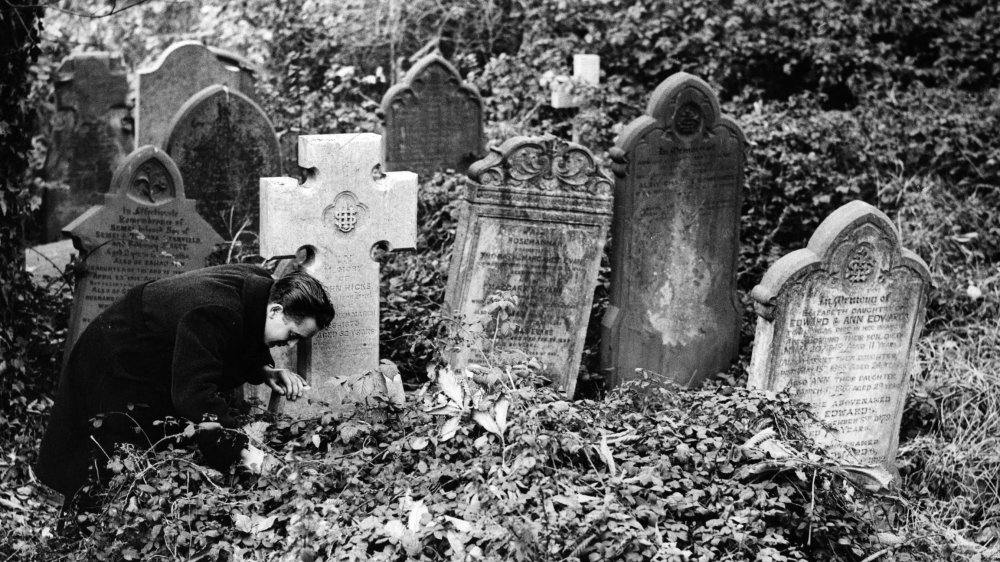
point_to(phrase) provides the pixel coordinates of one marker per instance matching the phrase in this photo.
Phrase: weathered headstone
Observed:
(535, 223)
(145, 230)
(333, 221)
(183, 70)
(433, 120)
(88, 137)
(223, 143)
(838, 322)
(679, 177)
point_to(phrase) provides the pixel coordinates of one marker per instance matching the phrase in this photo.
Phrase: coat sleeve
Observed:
(203, 337)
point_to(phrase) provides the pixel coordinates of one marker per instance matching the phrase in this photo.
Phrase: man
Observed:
(169, 348)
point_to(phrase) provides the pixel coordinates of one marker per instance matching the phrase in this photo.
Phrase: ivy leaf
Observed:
(253, 524)
(417, 512)
(487, 422)
(450, 428)
(450, 385)
(605, 453)
(394, 530)
(448, 409)
(500, 411)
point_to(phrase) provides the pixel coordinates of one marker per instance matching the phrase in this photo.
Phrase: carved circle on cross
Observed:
(346, 214)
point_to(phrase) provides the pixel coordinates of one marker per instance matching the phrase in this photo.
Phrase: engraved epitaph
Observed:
(223, 143)
(183, 70)
(433, 120)
(838, 321)
(145, 230)
(534, 223)
(88, 138)
(333, 221)
(679, 175)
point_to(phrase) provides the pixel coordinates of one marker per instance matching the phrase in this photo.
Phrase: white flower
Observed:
(974, 292)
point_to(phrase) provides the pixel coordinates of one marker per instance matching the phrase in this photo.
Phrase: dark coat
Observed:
(167, 348)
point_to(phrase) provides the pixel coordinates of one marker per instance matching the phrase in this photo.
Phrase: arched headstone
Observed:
(675, 239)
(838, 321)
(433, 120)
(223, 143)
(89, 140)
(145, 230)
(183, 70)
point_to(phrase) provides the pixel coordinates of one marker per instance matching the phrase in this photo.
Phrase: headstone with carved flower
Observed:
(534, 223)
(838, 321)
(673, 307)
(145, 230)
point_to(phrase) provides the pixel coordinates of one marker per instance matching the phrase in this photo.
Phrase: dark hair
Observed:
(302, 296)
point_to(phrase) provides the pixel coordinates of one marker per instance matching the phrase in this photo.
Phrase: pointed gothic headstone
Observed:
(534, 223)
(183, 70)
(679, 179)
(223, 143)
(433, 120)
(145, 230)
(88, 138)
(838, 321)
(333, 221)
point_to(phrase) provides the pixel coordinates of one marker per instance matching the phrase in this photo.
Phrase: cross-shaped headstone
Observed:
(333, 221)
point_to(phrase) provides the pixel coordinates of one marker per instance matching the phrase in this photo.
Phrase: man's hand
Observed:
(285, 382)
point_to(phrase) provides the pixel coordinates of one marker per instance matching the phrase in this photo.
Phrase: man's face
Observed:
(281, 330)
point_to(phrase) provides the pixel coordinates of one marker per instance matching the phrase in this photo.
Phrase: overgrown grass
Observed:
(949, 456)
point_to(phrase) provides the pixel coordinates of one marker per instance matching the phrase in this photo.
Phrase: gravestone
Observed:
(838, 322)
(679, 177)
(183, 70)
(89, 140)
(333, 222)
(145, 230)
(223, 143)
(432, 119)
(535, 222)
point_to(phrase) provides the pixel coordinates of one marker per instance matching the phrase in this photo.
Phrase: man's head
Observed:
(297, 308)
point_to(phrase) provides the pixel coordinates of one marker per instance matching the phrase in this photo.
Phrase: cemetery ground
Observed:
(511, 470)
(893, 104)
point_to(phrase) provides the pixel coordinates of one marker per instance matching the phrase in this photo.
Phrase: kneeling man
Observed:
(169, 348)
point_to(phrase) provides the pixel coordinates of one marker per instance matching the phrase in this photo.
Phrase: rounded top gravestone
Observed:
(182, 70)
(674, 308)
(223, 144)
(838, 322)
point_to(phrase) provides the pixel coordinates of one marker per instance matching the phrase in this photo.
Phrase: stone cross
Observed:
(534, 224)
(679, 180)
(433, 120)
(223, 143)
(183, 70)
(838, 322)
(89, 140)
(145, 230)
(344, 210)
